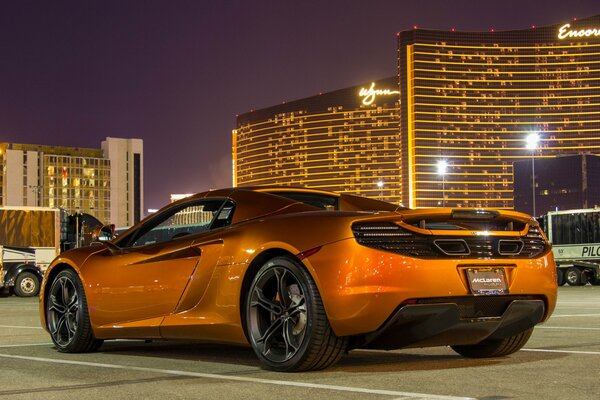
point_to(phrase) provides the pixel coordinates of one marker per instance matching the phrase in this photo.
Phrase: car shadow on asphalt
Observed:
(435, 359)
(356, 361)
(226, 354)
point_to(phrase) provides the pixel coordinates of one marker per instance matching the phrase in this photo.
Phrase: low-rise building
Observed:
(106, 182)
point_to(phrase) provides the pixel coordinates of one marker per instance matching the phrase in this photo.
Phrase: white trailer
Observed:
(575, 238)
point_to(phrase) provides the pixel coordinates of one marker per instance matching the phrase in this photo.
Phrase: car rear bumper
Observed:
(362, 288)
(424, 325)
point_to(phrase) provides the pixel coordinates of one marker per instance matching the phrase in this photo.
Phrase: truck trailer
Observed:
(575, 238)
(31, 237)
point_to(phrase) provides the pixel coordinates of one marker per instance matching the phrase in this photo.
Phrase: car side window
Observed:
(187, 219)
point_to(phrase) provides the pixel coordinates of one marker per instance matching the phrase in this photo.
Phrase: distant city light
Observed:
(532, 140)
(442, 167)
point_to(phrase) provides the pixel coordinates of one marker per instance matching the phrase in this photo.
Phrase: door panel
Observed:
(139, 284)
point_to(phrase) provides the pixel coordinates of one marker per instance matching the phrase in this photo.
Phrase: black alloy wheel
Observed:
(286, 321)
(67, 315)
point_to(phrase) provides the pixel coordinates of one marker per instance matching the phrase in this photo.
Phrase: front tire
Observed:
(495, 347)
(67, 315)
(286, 321)
(27, 284)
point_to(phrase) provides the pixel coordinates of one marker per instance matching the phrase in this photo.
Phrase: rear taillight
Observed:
(533, 242)
(388, 236)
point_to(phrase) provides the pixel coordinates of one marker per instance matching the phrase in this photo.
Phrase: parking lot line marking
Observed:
(593, 353)
(4, 346)
(20, 327)
(574, 315)
(567, 327)
(396, 394)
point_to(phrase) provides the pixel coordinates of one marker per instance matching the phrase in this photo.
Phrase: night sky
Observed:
(176, 73)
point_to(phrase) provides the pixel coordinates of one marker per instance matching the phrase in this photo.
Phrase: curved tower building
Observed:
(466, 100)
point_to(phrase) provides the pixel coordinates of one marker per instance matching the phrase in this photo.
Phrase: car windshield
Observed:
(186, 219)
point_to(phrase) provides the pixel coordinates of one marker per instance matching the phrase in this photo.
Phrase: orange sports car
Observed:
(304, 275)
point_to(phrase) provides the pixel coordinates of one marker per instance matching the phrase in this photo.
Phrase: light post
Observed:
(531, 143)
(442, 167)
(37, 191)
(380, 186)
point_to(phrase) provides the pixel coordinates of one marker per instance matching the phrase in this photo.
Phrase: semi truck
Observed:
(31, 237)
(575, 238)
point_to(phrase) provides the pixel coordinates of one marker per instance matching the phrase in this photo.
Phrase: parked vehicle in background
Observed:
(31, 237)
(575, 238)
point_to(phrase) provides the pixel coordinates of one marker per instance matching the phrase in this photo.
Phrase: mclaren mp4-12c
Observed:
(303, 276)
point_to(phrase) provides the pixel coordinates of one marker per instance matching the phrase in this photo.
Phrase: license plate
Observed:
(487, 281)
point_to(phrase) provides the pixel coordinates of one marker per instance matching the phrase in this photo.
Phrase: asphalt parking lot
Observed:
(561, 361)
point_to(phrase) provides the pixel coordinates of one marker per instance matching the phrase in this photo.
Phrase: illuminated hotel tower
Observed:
(470, 99)
(346, 140)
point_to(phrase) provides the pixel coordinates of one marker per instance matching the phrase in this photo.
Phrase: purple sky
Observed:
(176, 73)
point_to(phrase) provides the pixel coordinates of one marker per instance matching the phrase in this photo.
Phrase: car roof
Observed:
(260, 201)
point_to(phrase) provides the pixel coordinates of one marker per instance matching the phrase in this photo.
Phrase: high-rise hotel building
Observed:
(106, 183)
(333, 141)
(468, 99)
(472, 98)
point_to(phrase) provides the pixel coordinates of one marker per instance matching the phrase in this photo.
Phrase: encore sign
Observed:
(370, 93)
(564, 32)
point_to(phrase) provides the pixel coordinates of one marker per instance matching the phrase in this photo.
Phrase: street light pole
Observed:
(532, 141)
(37, 191)
(442, 166)
(533, 180)
(380, 186)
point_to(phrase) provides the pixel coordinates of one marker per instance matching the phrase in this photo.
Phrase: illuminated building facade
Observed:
(106, 183)
(345, 140)
(465, 100)
(471, 99)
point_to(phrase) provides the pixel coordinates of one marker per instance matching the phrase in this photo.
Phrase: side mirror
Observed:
(103, 233)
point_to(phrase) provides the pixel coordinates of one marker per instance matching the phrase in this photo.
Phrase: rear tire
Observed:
(27, 284)
(594, 280)
(67, 315)
(560, 277)
(286, 321)
(496, 347)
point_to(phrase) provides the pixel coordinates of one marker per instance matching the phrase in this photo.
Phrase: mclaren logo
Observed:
(487, 280)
